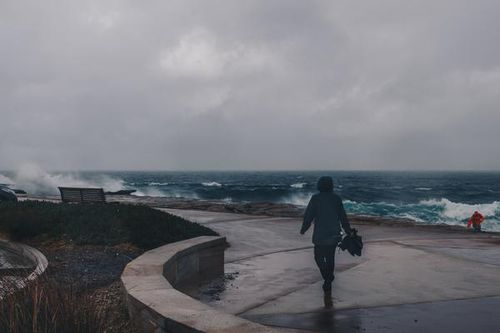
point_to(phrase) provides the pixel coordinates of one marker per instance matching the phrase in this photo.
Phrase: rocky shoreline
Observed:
(268, 209)
(260, 209)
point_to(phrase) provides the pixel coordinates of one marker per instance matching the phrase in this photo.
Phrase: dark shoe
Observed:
(327, 299)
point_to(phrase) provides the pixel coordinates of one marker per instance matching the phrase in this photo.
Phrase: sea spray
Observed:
(298, 199)
(430, 211)
(298, 185)
(35, 180)
(149, 192)
(5, 180)
(462, 211)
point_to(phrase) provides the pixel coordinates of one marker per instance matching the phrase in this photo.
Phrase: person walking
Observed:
(475, 221)
(327, 212)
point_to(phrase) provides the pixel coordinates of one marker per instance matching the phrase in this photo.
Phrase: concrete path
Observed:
(409, 279)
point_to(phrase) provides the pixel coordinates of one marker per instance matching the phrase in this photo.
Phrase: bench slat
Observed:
(80, 194)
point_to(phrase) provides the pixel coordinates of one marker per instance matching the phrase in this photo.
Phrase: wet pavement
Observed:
(460, 316)
(409, 279)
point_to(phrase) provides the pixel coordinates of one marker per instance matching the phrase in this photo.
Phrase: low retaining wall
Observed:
(156, 306)
(25, 263)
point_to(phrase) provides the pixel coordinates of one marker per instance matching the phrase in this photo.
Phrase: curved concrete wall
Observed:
(24, 263)
(156, 306)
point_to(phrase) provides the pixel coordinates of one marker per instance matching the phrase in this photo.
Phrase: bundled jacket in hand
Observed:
(352, 243)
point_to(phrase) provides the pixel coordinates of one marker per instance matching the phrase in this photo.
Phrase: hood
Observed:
(325, 184)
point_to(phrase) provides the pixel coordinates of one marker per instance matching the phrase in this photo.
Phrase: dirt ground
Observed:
(94, 270)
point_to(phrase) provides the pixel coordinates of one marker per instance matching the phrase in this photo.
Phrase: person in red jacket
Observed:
(475, 221)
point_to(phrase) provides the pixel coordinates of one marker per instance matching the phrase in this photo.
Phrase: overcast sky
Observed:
(173, 85)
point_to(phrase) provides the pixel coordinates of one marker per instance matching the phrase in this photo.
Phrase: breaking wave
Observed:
(299, 199)
(462, 211)
(211, 184)
(35, 180)
(154, 192)
(432, 211)
(298, 185)
(5, 180)
(149, 192)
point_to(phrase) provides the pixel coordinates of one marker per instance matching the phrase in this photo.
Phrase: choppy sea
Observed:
(430, 197)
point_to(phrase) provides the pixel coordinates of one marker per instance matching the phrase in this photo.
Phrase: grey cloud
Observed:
(250, 85)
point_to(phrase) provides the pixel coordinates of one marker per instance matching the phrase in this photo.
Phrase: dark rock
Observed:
(7, 194)
(18, 191)
(121, 192)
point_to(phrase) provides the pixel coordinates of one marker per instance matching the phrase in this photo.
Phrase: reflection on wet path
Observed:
(448, 316)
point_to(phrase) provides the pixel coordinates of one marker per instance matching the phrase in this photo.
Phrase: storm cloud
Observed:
(176, 85)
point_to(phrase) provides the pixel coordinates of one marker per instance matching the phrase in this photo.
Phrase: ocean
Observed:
(430, 197)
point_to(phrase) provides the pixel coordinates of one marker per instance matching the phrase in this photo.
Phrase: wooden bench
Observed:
(80, 194)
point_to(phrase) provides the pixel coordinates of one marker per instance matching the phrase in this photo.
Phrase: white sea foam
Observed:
(155, 192)
(35, 180)
(461, 211)
(298, 185)
(411, 217)
(149, 192)
(491, 224)
(370, 204)
(299, 199)
(211, 184)
(423, 188)
(157, 184)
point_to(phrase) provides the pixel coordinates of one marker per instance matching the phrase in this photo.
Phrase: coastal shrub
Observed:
(96, 223)
(46, 306)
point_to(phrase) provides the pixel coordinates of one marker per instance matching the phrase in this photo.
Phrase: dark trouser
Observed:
(477, 227)
(324, 255)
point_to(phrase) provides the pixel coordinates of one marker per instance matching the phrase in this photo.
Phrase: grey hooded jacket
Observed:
(327, 211)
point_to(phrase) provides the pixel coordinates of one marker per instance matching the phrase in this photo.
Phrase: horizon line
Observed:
(267, 170)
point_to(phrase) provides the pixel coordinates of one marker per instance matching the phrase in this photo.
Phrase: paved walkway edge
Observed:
(156, 306)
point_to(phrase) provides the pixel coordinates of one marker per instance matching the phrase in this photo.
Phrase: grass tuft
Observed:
(46, 306)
